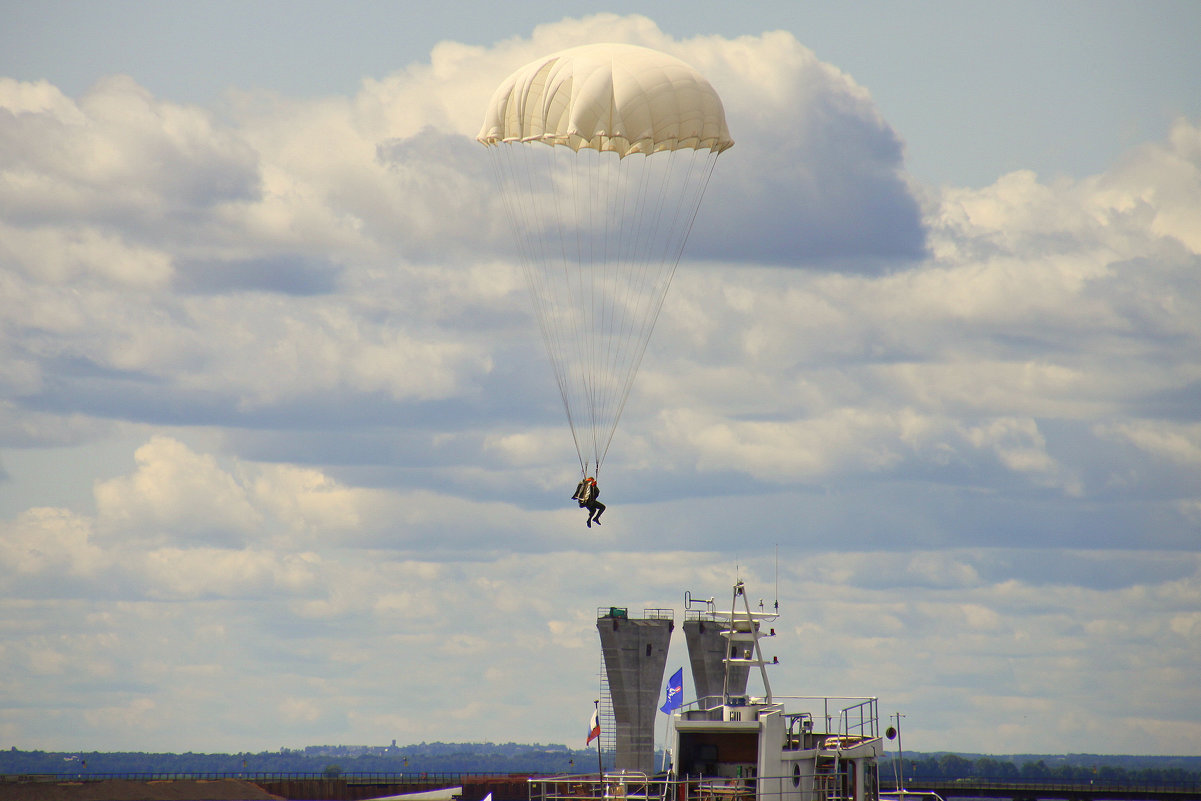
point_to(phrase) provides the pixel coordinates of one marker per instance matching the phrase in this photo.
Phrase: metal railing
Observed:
(850, 716)
(830, 787)
(1047, 788)
(860, 719)
(433, 779)
(638, 787)
(623, 613)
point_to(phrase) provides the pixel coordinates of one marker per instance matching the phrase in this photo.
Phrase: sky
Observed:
(281, 458)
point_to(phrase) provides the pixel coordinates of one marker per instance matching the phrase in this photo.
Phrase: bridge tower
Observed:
(635, 654)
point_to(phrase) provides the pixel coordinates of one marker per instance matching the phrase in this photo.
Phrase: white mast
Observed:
(744, 628)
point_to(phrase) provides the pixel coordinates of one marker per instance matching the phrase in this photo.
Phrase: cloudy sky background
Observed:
(281, 461)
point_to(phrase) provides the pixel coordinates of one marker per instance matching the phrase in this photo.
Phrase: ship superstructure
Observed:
(766, 746)
(731, 745)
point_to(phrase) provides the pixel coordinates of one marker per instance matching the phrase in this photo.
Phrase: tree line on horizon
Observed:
(330, 760)
(492, 758)
(1066, 768)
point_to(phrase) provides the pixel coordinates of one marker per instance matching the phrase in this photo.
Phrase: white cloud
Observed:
(308, 500)
(353, 464)
(948, 606)
(175, 495)
(1164, 180)
(1020, 447)
(1018, 652)
(785, 452)
(61, 256)
(1175, 442)
(1138, 206)
(44, 547)
(275, 353)
(117, 155)
(816, 173)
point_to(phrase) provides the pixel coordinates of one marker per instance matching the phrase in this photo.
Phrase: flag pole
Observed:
(666, 722)
(600, 768)
(675, 700)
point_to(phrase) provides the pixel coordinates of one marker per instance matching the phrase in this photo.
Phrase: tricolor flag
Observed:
(593, 726)
(675, 692)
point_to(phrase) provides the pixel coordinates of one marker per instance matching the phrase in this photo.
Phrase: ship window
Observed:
(648, 649)
(796, 775)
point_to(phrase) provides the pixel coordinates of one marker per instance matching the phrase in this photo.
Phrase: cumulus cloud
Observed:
(821, 181)
(127, 648)
(50, 544)
(117, 156)
(188, 236)
(175, 494)
(817, 176)
(1174, 442)
(970, 423)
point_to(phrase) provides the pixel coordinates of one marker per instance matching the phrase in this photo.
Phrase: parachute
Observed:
(602, 154)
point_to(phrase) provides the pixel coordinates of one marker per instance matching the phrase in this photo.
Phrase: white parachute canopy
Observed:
(602, 214)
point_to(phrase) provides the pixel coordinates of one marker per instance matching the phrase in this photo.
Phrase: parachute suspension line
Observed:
(694, 187)
(616, 286)
(526, 220)
(623, 338)
(579, 308)
(564, 276)
(626, 283)
(610, 197)
(541, 255)
(570, 313)
(519, 217)
(644, 283)
(559, 167)
(621, 192)
(570, 282)
(523, 217)
(639, 227)
(596, 196)
(614, 193)
(596, 327)
(601, 229)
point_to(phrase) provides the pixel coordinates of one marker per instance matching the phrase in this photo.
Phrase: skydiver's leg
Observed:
(599, 510)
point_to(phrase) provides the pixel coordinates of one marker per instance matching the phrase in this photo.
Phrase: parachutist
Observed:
(586, 493)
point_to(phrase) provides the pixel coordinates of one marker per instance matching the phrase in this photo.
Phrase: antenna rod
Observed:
(777, 577)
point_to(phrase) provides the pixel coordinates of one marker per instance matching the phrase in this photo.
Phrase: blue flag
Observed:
(675, 692)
